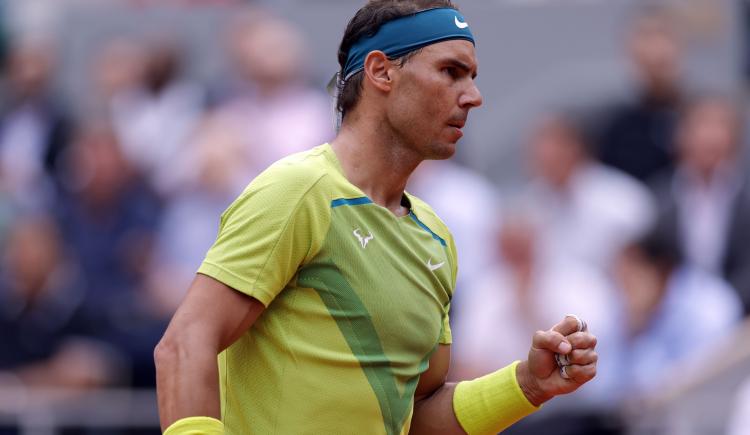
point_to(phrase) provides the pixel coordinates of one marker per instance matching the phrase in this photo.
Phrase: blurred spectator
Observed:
(272, 110)
(636, 137)
(557, 249)
(520, 291)
(705, 202)
(674, 313)
(584, 210)
(3, 36)
(155, 120)
(443, 184)
(512, 298)
(739, 422)
(118, 68)
(34, 128)
(41, 291)
(109, 219)
(746, 41)
(215, 177)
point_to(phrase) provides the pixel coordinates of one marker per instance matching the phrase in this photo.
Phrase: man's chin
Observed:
(444, 151)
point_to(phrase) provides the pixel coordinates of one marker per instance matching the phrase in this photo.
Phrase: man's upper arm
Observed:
(215, 314)
(433, 400)
(434, 378)
(211, 317)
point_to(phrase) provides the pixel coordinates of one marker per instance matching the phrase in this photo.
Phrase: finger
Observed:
(551, 341)
(582, 340)
(581, 357)
(570, 324)
(579, 373)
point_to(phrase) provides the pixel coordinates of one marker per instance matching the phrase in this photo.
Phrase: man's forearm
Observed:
(434, 414)
(486, 405)
(187, 382)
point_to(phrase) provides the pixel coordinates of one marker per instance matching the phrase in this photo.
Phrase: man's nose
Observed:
(472, 97)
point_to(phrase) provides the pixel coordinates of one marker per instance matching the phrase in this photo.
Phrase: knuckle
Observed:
(584, 375)
(575, 340)
(539, 339)
(591, 370)
(580, 356)
(577, 375)
(583, 340)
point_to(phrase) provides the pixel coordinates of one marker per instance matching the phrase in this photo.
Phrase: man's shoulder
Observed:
(300, 170)
(301, 178)
(314, 161)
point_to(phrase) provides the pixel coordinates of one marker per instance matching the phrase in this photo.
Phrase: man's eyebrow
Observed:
(464, 66)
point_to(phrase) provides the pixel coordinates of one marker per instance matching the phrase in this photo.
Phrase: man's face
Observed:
(708, 136)
(431, 98)
(556, 152)
(655, 52)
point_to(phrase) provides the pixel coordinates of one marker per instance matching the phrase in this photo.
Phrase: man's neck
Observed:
(376, 162)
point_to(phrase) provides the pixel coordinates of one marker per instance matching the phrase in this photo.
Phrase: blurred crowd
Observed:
(634, 217)
(631, 217)
(105, 215)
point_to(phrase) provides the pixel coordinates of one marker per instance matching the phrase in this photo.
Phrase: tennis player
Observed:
(327, 292)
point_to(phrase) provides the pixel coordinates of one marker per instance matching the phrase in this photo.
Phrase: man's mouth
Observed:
(459, 124)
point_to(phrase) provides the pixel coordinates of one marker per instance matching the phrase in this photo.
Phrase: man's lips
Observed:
(456, 127)
(459, 124)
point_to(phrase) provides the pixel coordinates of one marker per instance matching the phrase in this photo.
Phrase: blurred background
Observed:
(605, 175)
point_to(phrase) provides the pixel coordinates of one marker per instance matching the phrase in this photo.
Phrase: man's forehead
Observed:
(453, 49)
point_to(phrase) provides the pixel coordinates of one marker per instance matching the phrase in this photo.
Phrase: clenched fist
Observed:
(541, 378)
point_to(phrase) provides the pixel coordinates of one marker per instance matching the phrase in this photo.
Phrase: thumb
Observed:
(545, 345)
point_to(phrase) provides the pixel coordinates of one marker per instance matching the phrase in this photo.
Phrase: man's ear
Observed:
(378, 70)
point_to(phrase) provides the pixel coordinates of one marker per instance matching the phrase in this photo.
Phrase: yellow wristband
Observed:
(196, 426)
(490, 404)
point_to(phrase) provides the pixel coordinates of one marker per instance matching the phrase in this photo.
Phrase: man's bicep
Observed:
(210, 318)
(216, 312)
(435, 376)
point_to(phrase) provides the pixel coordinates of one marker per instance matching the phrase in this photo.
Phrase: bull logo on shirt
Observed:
(363, 240)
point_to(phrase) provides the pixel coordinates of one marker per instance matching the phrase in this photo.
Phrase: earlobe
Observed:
(378, 70)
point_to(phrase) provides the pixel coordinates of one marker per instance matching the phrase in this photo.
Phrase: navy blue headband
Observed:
(405, 34)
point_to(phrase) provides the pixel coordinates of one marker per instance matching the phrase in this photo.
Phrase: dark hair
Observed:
(659, 247)
(366, 22)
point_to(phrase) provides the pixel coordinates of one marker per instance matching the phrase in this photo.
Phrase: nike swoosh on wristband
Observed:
(459, 24)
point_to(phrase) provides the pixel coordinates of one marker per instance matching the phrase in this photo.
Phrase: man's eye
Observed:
(451, 71)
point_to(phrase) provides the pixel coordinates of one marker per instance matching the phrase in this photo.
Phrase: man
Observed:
(636, 136)
(327, 291)
(34, 126)
(705, 202)
(660, 291)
